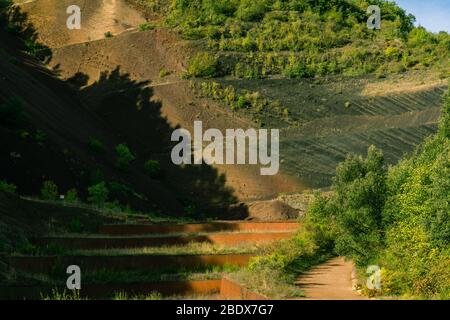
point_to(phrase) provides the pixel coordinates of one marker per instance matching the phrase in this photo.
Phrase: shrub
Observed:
(108, 34)
(96, 146)
(252, 10)
(146, 27)
(98, 194)
(49, 191)
(445, 117)
(75, 226)
(7, 187)
(297, 70)
(164, 73)
(125, 157)
(243, 102)
(71, 196)
(152, 168)
(40, 137)
(203, 65)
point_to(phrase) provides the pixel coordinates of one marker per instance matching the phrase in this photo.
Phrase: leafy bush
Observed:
(125, 157)
(354, 213)
(203, 65)
(297, 69)
(40, 137)
(71, 196)
(252, 10)
(164, 73)
(49, 191)
(146, 27)
(98, 194)
(96, 146)
(75, 226)
(7, 187)
(152, 168)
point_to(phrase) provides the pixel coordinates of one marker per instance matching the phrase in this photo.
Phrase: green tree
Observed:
(98, 194)
(49, 191)
(7, 187)
(203, 65)
(125, 157)
(152, 168)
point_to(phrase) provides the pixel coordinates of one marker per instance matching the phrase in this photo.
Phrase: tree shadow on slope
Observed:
(15, 22)
(128, 109)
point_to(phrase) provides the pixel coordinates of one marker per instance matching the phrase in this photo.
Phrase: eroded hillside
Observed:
(321, 120)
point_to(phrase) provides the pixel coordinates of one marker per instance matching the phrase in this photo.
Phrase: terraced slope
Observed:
(168, 263)
(338, 116)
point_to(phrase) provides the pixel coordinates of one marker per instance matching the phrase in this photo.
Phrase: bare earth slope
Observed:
(140, 56)
(395, 113)
(61, 154)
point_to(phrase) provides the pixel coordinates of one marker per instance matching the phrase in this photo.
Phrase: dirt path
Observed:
(329, 281)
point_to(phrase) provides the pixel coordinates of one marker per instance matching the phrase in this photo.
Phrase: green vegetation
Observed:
(193, 248)
(75, 226)
(49, 191)
(203, 65)
(33, 47)
(164, 73)
(146, 27)
(125, 157)
(40, 137)
(96, 146)
(71, 196)
(152, 168)
(98, 194)
(397, 217)
(254, 103)
(7, 187)
(64, 295)
(151, 296)
(273, 273)
(252, 38)
(108, 34)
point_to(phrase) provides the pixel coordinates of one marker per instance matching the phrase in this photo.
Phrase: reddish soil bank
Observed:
(166, 288)
(46, 265)
(329, 281)
(220, 239)
(136, 229)
(228, 289)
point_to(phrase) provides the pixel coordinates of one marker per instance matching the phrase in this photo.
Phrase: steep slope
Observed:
(140, 56)
(328, 118)
(52, 143)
